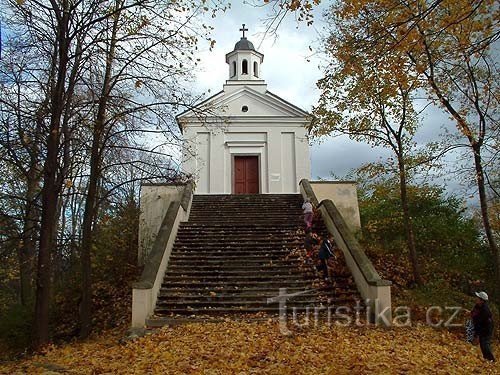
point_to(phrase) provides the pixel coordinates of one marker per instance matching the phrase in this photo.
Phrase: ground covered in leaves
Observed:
(259, 347)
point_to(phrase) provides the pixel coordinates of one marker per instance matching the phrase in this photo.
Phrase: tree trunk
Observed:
(486, 220)
(87, 238)
(49, 215)
(91, 204)
(407, 222)
(51, 186)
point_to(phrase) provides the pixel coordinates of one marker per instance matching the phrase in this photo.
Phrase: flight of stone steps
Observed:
(235, 252)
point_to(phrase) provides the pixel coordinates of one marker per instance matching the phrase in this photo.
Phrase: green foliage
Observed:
(115, 248)
(455, 260)
(442, 227)
(15, 326)
(9, 280)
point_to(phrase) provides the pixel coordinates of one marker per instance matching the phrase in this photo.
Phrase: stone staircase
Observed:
(234, 253)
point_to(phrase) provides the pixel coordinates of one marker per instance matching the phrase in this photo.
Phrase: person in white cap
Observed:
(483, 324)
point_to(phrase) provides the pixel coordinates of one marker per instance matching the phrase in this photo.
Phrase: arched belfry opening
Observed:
(233, 72)
(244, 60)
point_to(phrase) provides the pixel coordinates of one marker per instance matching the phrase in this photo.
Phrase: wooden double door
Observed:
(246, 175)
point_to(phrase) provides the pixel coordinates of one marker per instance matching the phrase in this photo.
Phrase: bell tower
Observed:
(244, 61)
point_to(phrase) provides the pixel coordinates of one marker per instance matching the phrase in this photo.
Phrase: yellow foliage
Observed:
(258, 347)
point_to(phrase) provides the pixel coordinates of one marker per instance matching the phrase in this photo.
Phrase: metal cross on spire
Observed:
(243, 30)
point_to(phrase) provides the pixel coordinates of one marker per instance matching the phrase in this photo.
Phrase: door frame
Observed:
(233, 163)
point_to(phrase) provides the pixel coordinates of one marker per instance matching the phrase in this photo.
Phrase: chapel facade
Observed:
(245, 139)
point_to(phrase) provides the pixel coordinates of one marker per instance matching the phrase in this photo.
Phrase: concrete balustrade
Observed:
(345, 197)
(145, 291)
(155, 201)
(374, 290)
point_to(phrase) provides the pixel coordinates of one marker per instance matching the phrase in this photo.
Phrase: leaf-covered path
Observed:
(246, 348)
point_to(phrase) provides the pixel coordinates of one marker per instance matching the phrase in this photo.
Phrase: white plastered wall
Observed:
(345, 197)
(283, 153)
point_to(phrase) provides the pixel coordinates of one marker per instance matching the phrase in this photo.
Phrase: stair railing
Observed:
(373, 289)
(145, 291)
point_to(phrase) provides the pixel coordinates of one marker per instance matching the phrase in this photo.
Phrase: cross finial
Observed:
(243, 30)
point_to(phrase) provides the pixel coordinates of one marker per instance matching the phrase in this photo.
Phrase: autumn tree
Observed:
(145, 53)
(370, 104)
(446, 228)
(448, 45)
(108, 73)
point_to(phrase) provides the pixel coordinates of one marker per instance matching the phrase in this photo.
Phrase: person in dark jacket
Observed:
(483, 324)
(310, 242)
(325, 253)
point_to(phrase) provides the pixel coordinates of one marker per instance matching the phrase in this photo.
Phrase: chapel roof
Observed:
(244, 44)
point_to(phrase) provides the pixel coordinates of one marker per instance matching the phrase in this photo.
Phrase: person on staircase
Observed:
(308, 212)
(325, 253)
(310, 243)
(483, 325)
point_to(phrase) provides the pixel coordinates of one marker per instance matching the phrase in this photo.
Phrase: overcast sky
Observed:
(291, 71)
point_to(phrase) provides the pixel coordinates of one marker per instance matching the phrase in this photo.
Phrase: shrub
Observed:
(440, 222)
(15, 326)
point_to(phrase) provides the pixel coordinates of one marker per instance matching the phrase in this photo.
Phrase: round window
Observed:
(244, 108)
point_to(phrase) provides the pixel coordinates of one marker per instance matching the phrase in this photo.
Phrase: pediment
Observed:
(231, 104)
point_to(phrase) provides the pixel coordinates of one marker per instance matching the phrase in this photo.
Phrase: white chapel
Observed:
(245, 139)
(242, 140)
